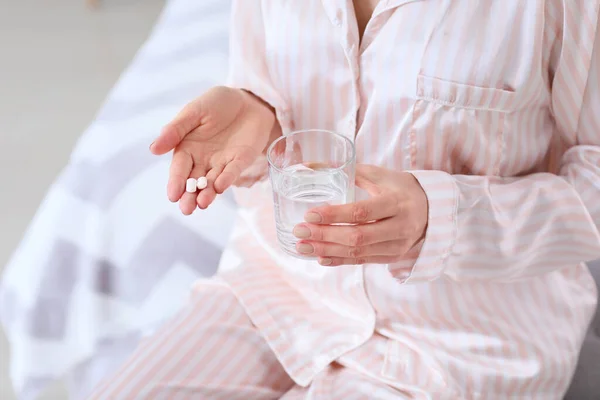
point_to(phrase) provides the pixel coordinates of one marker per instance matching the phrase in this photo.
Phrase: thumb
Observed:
(234, 166)
(173, 133)
(368, 177)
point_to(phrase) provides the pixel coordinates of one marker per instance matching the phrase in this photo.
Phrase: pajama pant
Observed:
(213, 351)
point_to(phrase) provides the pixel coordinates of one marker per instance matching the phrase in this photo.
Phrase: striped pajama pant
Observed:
(211, 350)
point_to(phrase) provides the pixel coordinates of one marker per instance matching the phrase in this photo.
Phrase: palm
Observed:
(218, 136)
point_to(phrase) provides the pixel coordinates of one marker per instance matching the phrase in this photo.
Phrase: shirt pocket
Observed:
(459, 128)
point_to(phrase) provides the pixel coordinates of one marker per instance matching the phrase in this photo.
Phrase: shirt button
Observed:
(337, 22)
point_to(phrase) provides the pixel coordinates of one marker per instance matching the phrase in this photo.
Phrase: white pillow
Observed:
(107, 257)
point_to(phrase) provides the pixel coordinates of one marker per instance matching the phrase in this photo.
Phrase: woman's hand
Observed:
(383, 228)
(219, 135)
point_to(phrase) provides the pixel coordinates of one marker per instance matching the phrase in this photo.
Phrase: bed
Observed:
(106, 258)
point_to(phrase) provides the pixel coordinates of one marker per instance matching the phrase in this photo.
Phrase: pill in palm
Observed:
(202, 183)
(190, 185)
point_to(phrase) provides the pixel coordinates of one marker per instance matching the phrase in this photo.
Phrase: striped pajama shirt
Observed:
(494, 107)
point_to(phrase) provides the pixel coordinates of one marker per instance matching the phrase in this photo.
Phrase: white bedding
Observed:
(107, 257)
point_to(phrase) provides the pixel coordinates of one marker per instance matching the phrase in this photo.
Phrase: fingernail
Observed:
(151, 144)
(312, 217)
(325, 261)
(301, 232)
(305, 248)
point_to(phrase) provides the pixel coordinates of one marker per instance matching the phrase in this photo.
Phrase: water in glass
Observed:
(300, 188)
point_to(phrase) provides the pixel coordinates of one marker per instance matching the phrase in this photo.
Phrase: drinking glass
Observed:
(308, 169)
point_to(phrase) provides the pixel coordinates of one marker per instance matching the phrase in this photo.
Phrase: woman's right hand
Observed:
(218, 135)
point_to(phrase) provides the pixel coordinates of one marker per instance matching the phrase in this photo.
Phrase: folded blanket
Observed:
(107, 258)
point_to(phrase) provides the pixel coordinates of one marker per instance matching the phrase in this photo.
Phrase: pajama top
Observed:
(494, 106)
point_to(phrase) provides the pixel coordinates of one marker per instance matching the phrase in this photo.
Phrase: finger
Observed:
(247, 181)
(370, 178)
(256, 172)
(369, 172)
(337, 261)
(324, 249)
(188, 119)
(187, 204)
(373, 189)
(179, 172)
(351, 235)
(208, 195)
(379, 207)
(231, 173)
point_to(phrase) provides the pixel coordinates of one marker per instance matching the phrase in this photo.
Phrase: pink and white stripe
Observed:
(213, 351)
(493, 106)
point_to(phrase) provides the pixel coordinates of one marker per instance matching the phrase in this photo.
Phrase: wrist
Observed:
(264, 108)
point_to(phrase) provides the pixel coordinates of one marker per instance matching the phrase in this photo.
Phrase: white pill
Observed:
(190, 185)
(202, 183)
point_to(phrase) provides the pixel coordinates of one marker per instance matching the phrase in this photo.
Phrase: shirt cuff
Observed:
(442, 197)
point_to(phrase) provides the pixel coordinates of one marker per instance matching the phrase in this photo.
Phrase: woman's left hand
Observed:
(383, 228)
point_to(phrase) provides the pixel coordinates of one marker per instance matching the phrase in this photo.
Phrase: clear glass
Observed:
(308, 169)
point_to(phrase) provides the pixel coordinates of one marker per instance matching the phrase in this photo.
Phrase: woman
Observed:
(477, 132)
